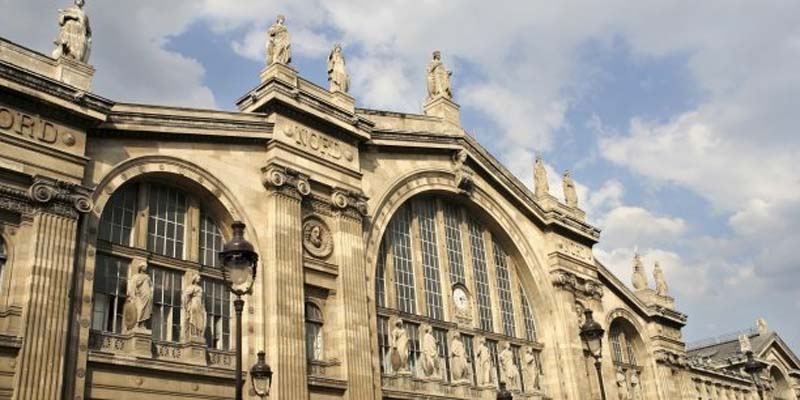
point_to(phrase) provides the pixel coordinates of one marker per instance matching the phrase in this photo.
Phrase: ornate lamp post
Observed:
(753, 368)
(239, 264)
(503, 393)
(592, 335)
(261, 376)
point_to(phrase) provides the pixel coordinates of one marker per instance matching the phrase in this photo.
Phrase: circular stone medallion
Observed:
(317, 238)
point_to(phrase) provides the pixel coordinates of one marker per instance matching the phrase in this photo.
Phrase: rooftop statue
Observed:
(74, 39)
(542, 187)
(661, 284)
(337, 74)
(279, 46)
(570, 194)
(639, 278)
(438, 78)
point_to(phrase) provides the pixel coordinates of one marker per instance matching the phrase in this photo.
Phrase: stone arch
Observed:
(531, 270)
(627, 321)
(782, 387)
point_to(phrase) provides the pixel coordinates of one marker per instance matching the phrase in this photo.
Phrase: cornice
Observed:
(48, 195)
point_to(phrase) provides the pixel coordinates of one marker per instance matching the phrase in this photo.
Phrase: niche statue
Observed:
(139, 305)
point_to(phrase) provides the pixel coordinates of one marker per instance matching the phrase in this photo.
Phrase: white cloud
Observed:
(627, 226)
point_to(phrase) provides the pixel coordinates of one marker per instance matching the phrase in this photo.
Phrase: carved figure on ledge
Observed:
(195, 315)
(508, 368)
(639, 279)
(438, 78)
(430, 353)
(459, 365)
(279, 46)
(570, 193)
(542, 187)
(74, 39)
(139, 305)
(530, 369)
(337, 74)
(661, 283)
(399, 347)
(483, 364)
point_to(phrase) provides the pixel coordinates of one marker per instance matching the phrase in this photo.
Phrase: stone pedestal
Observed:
(194, 351)
(74, 73)
(650, 297)
(344, 101)
(547, 201)
(281, 72)
(445, 109)
(139, 343)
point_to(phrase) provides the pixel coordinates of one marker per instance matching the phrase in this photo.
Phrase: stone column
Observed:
(353, 288)
(40, 362)
(282, 267)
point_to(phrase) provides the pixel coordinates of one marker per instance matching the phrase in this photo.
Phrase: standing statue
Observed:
(570, 194)
(639, 278)
(661, 284)
(337, 74)
(530, 369)
(761, 326)
(139, 305)
(279, 46)
(429, 360)
(193, 302)
(622, 384)
(483, 364)
(744, 344)
(399, 347)
(438, 78)
(459, 365)
(508, 368)
(636, 386)
(74, 40)
(541, 186)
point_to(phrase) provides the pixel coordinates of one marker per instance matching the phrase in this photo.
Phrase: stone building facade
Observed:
(399, 259)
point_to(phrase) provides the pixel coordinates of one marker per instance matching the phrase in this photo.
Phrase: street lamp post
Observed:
(261, 376)
(503, 393)
(239, 264)
(754, 367)
(592, 335)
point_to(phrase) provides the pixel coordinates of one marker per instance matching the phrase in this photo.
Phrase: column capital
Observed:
(349, 203)
(285, 180)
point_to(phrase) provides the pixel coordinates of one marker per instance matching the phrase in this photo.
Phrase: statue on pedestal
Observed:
(530, 369)
(508, 368)
(438, 78)
(337, 74)
(74, 39)
(139, 303)
(661, 284)
(195, 316)
(639, 278)
(542, 187)
(399, 347)
(459, 365)
(483, 364)
(622, 384)
(636, 386)
(429, 361)
(279, 46)
(570, 193)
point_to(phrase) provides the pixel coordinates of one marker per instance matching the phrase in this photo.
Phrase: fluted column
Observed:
(283, 271)
(40, 362)
(353, 288)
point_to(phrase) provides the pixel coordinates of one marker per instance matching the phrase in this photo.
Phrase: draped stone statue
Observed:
(337, 74)
(438, 78)
(570, 194)
(399, 347)
(279, 46)
(636, 386)
(74, 39)
(744, 344)
(622, 384)
(429, 360)
(542, 187)
(639, 278)
(508, 368)
(661, 284)
(530, 369)
(195, 316)
(139, 303)
(483, 364)
(459, 365)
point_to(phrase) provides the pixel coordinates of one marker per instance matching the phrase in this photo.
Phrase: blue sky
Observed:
(677, 119)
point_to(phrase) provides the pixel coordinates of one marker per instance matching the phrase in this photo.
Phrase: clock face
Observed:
(460, 298)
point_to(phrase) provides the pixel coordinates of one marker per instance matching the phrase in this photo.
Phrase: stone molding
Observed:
(671, 358)
(577, 285)
(49, 195)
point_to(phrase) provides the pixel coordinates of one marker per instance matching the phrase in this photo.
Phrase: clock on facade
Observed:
(460, 298)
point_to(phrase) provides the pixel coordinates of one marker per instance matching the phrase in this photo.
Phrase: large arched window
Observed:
(439, 265)
(624, 344)
(175, 233)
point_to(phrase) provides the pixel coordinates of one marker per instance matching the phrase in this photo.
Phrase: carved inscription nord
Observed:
(318, 143)
(16, 123)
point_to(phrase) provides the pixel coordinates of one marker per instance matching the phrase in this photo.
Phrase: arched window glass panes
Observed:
(151, 221)
(116, 223)
(426, 214)
(504, 289)
(314, 323)
(400, 234)
(470, 292)
(478, 249)
(167, 222)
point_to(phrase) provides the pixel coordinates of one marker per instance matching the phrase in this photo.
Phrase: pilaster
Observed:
(282, 268)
